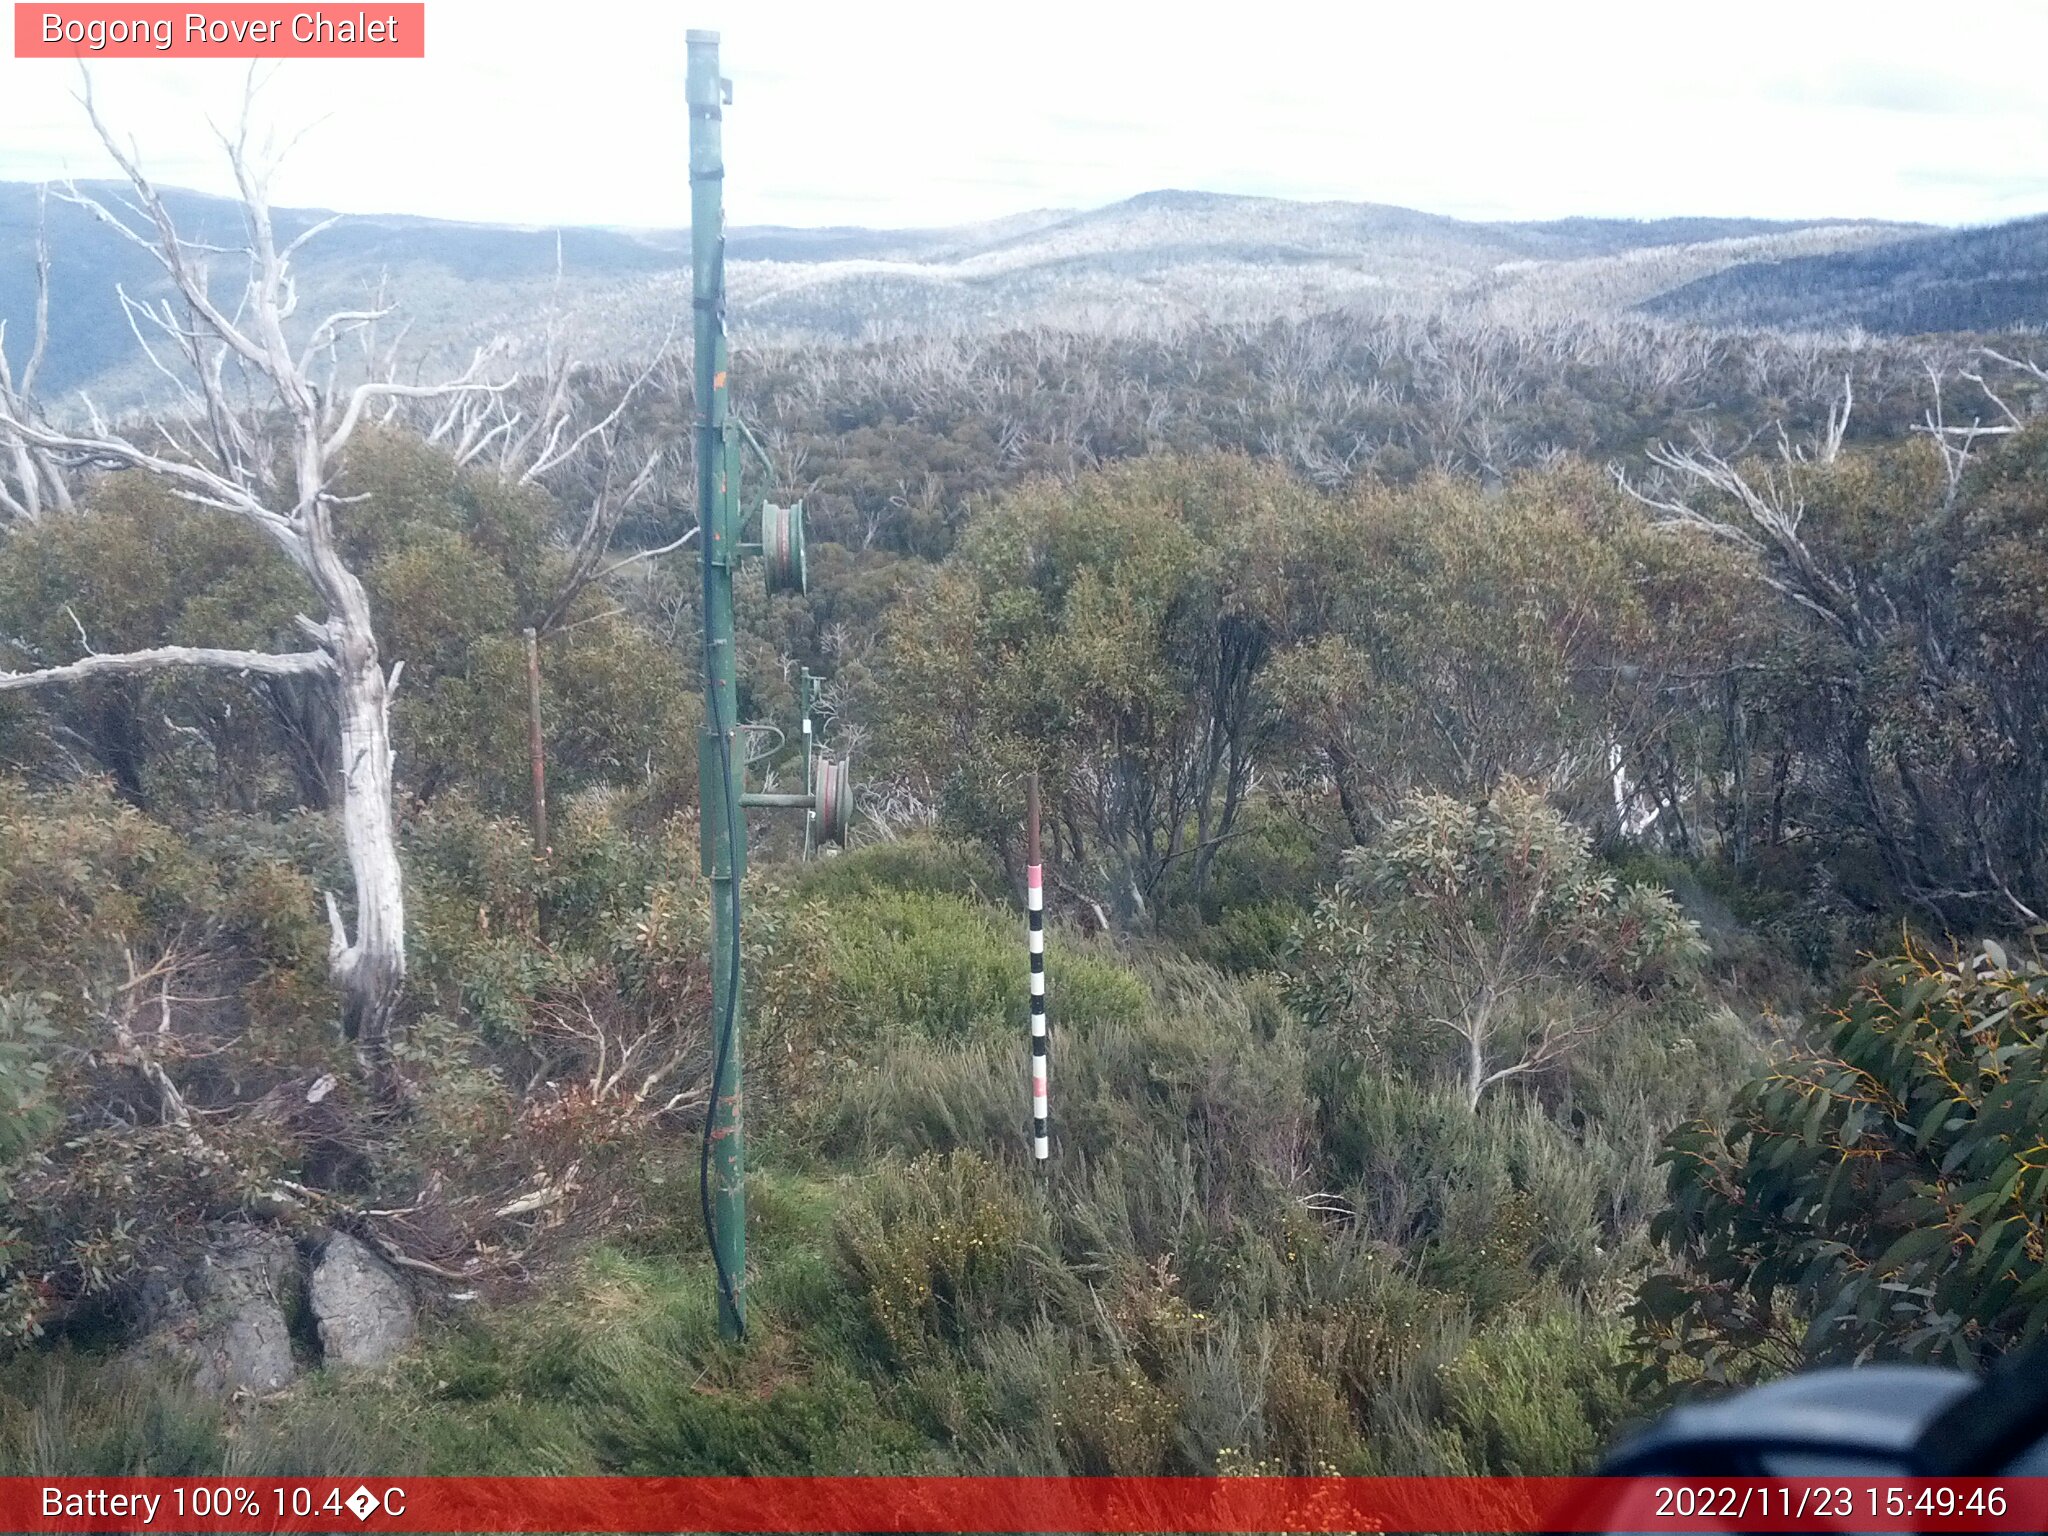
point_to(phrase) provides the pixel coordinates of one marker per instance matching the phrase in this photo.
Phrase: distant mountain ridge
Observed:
(1159, 258)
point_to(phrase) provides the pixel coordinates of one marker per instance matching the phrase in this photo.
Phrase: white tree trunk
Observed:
(370, 971)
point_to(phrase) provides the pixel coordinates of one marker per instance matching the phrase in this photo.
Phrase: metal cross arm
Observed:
(831, 799)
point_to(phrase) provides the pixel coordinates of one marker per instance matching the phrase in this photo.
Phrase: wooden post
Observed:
(536, 745)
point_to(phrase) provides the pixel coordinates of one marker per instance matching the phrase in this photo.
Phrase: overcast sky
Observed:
(885, 113)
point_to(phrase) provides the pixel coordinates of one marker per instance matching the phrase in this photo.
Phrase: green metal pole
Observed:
(719, 765)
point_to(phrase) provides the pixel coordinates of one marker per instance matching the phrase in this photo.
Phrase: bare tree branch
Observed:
(1771, 508)
(167, 657)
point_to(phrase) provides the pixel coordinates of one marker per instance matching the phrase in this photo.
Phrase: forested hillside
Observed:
(1963, 280)
(1531, 802)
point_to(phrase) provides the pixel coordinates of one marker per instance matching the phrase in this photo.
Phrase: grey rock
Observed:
(225, 1312)
(364, 1311)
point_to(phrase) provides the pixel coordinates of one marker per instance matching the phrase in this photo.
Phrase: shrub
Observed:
(932, 965)
(1371, 1329)
(940, 968)
(1308, 1429)
(179, 981)
(1480, 941)
(1879, 1194)
(914, 1096)
(1114, 1420)
(1539, 1395)
(27, 1115)
(1248, 939)
(938, 1249)
(919, 865)
(1487, 1204)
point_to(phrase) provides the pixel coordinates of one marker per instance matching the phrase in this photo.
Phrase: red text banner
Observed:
(1003, 1504)
(240, 31)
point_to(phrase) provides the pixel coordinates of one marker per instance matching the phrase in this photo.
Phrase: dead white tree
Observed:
(1958, 441)
(1767, 509)
(31, 482)
(556, 431)
(262, 441)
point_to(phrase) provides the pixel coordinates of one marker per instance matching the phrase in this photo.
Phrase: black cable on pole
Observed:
(728, 1284)
(721, 1053)
(722, 1040)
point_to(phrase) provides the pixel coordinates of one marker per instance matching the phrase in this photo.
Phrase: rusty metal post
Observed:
(536, 745)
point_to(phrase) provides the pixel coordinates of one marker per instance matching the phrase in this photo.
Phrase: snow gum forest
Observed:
(1543, 735)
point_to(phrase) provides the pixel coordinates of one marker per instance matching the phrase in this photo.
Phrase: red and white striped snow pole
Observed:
(1034, 899)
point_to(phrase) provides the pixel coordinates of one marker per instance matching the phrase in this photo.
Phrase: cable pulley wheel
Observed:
(782, 549)
(835, 800)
